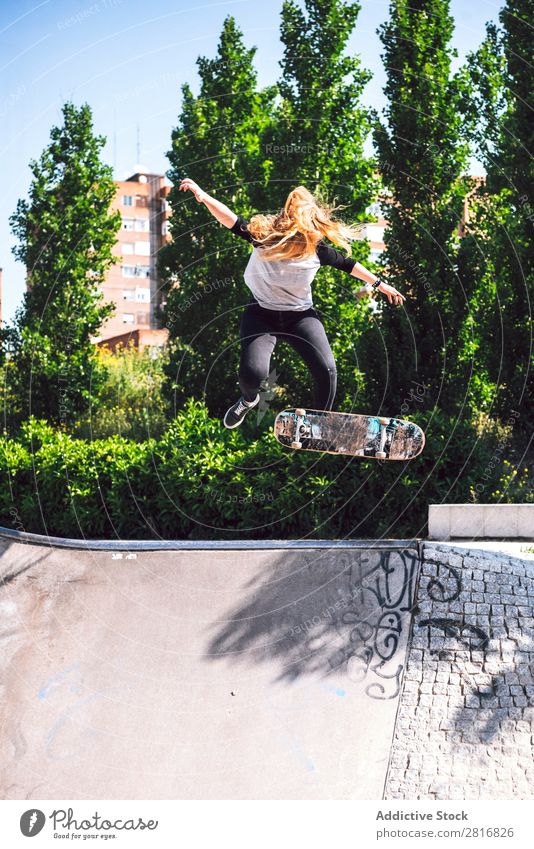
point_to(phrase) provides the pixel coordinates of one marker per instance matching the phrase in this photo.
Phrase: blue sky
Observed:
(128, 59)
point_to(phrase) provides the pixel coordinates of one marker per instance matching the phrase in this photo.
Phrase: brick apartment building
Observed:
(132, 284)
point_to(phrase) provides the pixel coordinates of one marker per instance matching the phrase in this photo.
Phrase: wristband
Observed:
(377, 283)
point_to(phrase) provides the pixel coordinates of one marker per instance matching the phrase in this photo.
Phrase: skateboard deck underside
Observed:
(377, 437)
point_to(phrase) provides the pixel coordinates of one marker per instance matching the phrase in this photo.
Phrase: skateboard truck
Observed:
(386, 426)
(299, 423)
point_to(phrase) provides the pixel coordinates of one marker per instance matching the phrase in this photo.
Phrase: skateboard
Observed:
(375, 437)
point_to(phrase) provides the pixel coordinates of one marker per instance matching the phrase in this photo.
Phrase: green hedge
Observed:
(200, 481)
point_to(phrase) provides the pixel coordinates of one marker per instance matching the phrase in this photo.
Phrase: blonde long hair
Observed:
(297, 229)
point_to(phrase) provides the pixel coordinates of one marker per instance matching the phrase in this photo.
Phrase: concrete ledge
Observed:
(510, 521)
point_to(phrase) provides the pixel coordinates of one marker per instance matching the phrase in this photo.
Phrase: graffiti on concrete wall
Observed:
(382, 589)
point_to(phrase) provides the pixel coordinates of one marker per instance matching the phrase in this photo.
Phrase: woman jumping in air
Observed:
(287, 251)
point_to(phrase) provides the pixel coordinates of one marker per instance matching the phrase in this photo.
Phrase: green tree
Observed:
(217, 144)
(66, 234)
(422, 155)
(496, 260)
(317, 139)
(320, 125)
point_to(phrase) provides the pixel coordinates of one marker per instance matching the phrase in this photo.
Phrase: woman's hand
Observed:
(191, 186)
(393, 295)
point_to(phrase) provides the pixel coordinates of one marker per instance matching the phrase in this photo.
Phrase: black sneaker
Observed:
(237, 412)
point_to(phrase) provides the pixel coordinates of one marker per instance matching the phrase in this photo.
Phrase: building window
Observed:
(141, 224)
(142, 295)
(143, 318)
(127, 200)
(142, 248)
(140, 200)
(128, 247)
(128, 223)
(135, 271)
(164, 228)
(128, 318)
(128, 294)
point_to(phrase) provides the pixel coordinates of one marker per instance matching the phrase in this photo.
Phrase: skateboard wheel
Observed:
(300, 411)
(381, 455)
(296, 444)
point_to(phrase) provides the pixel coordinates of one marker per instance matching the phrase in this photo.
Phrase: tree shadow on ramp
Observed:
(320, 612)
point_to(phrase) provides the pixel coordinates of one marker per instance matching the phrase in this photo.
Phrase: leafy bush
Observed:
(200, 481)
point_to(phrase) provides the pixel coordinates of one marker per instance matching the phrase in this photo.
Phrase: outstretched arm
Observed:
(392, 294)
(363, 274)
(329, 256)
(219, 210)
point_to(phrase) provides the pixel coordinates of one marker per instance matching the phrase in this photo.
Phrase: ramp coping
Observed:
(202, 545)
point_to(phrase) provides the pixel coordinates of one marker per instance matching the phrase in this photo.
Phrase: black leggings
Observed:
(260, 330)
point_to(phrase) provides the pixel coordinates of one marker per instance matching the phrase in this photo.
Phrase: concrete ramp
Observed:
(201, 674)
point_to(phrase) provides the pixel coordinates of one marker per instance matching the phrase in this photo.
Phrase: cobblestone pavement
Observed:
(465, 725)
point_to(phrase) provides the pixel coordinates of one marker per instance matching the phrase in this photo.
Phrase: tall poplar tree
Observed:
(66, 234)
(422, 156)
(497, 257)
